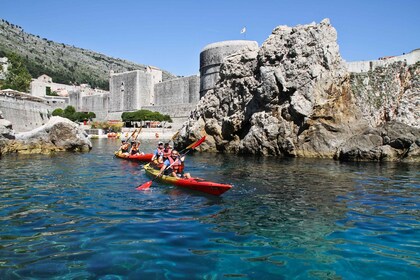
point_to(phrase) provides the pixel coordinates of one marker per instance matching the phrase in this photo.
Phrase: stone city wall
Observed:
(23, 113)
(98, 104)
(178, 91)
(370, 65)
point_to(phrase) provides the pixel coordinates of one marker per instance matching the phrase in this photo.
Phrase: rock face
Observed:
(294, 97)
(59, 134)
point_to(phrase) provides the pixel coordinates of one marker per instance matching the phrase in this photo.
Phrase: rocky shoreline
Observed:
(58, 135)
(293, 96)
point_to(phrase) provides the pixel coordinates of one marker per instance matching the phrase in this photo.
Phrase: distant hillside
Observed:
(64, 63)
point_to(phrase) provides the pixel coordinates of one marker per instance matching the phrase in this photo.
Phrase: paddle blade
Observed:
(198, 143)
(145, 186)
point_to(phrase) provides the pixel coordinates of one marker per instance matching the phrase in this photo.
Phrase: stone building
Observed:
(44, 84)
(135, 90)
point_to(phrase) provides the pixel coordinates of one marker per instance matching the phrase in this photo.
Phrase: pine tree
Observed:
(17, 77)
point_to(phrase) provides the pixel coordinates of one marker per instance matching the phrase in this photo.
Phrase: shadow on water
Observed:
(74, 215)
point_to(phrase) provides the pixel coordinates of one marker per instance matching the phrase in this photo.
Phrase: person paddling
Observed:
(174, 166)
(167, 150)
(124, 149)
(135, 148)
(157, 155)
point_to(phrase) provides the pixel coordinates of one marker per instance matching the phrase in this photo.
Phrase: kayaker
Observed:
(124, 149)
(157, 155)
(174, 166)
(167, 150)
(135, 148)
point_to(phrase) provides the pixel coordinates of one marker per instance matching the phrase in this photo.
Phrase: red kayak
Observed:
(137, 157)
(196, 184)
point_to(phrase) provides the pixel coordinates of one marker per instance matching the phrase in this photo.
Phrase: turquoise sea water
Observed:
(79, 216)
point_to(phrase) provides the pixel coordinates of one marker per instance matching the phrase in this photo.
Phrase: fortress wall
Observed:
(75, 100)
(177, 91)
(369, 65)
(25, 115)
(129, 90)
(98, 103)
(144, 94)
(121, 88)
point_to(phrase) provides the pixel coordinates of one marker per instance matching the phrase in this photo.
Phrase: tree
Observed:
(69, 113)
(58, 112)
(144, 115)
(17, 77)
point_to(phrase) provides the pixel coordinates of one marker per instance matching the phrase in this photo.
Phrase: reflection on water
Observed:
(79, 216)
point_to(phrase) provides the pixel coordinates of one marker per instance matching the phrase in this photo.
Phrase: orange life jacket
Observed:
(176, 165)
(167, 153)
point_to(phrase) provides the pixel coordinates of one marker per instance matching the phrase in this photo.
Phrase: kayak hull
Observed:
(196, 184)
(138, 157)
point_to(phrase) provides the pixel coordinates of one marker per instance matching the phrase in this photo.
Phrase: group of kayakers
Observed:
(169, 161)
(165, 158)
(133, 149)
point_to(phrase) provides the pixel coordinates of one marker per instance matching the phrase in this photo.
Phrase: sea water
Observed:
(79, 216)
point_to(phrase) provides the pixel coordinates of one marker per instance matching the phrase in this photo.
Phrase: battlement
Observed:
(369, 65)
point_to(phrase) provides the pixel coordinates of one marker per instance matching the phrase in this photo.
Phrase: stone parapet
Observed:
(370, 65)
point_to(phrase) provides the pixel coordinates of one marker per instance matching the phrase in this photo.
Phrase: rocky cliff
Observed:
(59, 134)
(294, 97)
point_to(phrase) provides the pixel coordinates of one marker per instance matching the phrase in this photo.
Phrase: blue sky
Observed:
(170, 34)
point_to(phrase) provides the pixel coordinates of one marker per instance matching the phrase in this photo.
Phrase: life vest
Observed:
(124, 148)
(176, 165)
(167, 153)
(134, 150)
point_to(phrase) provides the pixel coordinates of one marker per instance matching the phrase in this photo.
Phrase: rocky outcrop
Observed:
(59, 134)
(390, 142)
(6, 131)
(291, 97)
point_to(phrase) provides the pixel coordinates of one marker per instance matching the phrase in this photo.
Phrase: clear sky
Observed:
(170, 34)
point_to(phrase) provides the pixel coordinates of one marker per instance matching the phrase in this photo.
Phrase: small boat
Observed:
(196, 184)
(137, 157)
(113, 135)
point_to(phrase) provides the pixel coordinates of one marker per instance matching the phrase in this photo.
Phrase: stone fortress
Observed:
(140, 89)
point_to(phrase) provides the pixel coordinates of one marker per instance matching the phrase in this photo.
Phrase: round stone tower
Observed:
(212, 56)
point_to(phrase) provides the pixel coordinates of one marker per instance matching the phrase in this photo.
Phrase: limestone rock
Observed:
(294, 97)
(390, 142)
(6, 131)
(59, 134)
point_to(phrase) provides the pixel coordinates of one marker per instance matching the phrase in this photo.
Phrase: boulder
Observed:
(59, 134)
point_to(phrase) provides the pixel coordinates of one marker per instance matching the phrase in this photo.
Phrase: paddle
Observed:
(147, 185)
(194, 144)
(131, 135)
(175, 136)
(138, 133)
